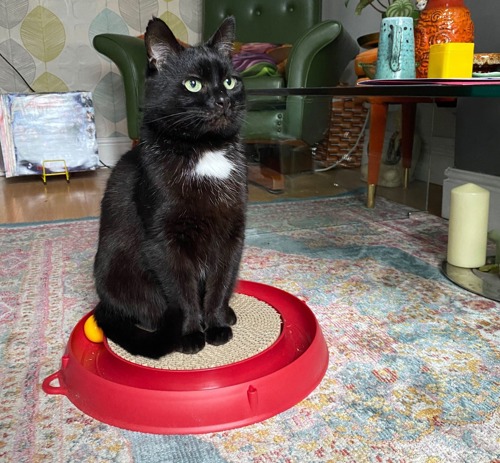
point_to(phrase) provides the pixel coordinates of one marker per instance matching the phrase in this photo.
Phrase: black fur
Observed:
(171, 232)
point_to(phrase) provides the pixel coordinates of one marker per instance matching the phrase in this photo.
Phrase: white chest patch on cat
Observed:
(214, 164)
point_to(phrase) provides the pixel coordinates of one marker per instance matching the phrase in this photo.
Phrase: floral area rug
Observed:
(414, 361)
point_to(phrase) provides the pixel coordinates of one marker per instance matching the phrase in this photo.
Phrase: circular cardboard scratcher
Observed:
(143, 398)
(258, 327)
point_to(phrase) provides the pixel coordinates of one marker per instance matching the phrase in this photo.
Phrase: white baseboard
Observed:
(457, 177)
(111, 149)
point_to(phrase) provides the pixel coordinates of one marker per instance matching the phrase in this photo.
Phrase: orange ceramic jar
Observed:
(441, 21)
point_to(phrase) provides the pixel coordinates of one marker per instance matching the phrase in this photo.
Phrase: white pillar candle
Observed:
(468, 226)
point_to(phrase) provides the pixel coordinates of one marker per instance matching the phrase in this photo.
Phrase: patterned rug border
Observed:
(47, 222)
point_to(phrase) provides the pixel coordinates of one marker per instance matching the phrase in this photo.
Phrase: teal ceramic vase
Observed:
(396, 49)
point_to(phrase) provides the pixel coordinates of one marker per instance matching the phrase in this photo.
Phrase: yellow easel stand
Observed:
(62, 172)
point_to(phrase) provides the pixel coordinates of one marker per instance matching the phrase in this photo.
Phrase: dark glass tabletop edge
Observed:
(424, 90)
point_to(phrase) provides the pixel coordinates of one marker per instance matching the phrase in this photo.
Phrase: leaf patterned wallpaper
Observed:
(50, 43)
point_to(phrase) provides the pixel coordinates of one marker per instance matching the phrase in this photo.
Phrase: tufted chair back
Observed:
(274, 21)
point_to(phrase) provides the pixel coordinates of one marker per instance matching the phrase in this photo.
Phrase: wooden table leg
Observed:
(407, 134)
(378, 119)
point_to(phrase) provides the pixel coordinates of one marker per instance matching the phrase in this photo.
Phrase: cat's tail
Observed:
(134, 339)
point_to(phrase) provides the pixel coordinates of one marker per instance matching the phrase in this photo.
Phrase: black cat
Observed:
(173, 214)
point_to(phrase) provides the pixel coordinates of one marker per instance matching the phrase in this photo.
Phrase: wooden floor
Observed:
(27, 199)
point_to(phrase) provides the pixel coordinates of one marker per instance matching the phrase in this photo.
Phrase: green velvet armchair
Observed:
(319, 55)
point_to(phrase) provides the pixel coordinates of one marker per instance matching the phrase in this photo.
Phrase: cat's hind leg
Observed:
(127, 333)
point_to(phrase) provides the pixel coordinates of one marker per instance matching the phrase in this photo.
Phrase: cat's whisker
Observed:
(179, 117)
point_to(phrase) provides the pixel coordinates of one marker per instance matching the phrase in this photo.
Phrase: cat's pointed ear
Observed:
(223, 39)
(160, 43)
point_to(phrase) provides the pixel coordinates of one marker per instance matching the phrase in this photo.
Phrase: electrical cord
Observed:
(17, 72)
(105, 165)
(348, 154)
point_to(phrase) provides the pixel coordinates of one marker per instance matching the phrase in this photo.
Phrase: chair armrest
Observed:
(129, 55)
(320, 56)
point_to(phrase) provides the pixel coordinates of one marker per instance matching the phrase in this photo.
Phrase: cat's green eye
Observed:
(230, 83)
(193, 85)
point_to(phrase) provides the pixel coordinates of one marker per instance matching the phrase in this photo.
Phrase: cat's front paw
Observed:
(192, 343)
(230, 316)
(219, 335)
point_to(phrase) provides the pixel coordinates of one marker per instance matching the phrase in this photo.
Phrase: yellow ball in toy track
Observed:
(92, 331)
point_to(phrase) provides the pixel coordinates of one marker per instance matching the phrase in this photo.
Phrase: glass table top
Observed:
(318, 144)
